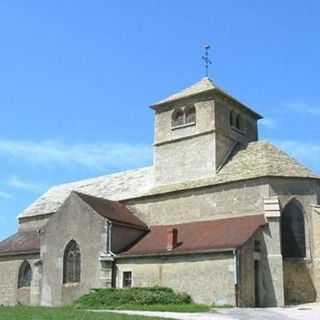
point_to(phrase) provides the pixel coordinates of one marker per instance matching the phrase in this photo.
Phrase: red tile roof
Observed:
(21, 242)
(112, 210)
(198, 236)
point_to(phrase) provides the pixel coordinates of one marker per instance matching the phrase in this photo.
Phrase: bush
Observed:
(104, 298)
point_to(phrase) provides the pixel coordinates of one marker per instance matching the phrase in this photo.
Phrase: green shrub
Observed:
(103, 298)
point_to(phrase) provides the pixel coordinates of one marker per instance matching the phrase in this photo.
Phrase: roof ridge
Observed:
(190, 90)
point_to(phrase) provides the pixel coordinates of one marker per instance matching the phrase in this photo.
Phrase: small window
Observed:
(177, 118)
(25, 275)
(72, 263)
(127, 279)
(257, 246)
(190, 114)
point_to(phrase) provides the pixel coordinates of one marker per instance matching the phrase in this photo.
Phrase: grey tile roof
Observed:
(204, 85)
(258, 159)
(123, 185)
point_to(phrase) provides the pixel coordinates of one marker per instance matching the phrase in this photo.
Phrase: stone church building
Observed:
(220, 215)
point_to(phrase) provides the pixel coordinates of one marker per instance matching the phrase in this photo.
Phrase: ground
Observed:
(303, 312)
(38, 313)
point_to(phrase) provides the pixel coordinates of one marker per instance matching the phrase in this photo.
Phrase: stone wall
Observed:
(226, 135)
(196, 150)
(248, 131)
(9, 273)
(268, 280)
(204, 118)
(222, 201)
(207, 278)
(247, 281)
(75, 220)
(298, 282)
(195, 143)
(316, 248)
(193, 160)
(33, 223)
(307, 192)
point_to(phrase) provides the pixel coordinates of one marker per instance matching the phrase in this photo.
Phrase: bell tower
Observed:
(196, 130)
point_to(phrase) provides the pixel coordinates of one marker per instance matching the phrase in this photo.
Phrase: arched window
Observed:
(293, 237)
(190, 113)
(177, 118)
(72, 263)
(25, 275)
(231, 118)
(238, 122)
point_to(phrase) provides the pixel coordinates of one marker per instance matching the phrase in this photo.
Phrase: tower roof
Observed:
(202, 86)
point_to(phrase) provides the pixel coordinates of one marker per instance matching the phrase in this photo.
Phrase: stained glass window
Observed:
(72, 263)
(25, 275)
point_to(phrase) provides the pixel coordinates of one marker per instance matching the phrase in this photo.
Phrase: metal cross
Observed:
(206, 59)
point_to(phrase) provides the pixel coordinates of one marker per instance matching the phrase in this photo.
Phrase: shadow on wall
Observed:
(268, 296)
(257, 279)
(298, 284)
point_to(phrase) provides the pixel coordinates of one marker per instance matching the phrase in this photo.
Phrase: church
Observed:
(220, 215)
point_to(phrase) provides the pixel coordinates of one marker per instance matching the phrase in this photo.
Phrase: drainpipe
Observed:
(109, 237)
(236, 261)
(107, 258)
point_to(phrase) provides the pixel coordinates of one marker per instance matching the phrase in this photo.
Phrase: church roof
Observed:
(204, 85)
(118, 186)
(21, 243)
(113, 210)
(257, 159)
(201, 236)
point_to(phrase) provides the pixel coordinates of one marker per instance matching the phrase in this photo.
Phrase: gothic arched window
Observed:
(293, 237)
(25, 275)
(190, 113)
(177, 118)
(72, 263)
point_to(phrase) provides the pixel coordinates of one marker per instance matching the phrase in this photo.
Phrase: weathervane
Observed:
(206, 59)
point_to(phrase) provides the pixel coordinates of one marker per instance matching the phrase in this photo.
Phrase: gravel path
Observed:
(303, 312)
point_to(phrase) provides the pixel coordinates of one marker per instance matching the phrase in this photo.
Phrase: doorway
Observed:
(257, 283)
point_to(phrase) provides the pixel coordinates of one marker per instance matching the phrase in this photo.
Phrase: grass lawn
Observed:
(39, 313)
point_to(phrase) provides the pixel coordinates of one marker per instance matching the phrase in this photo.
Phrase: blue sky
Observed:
(77, 77)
